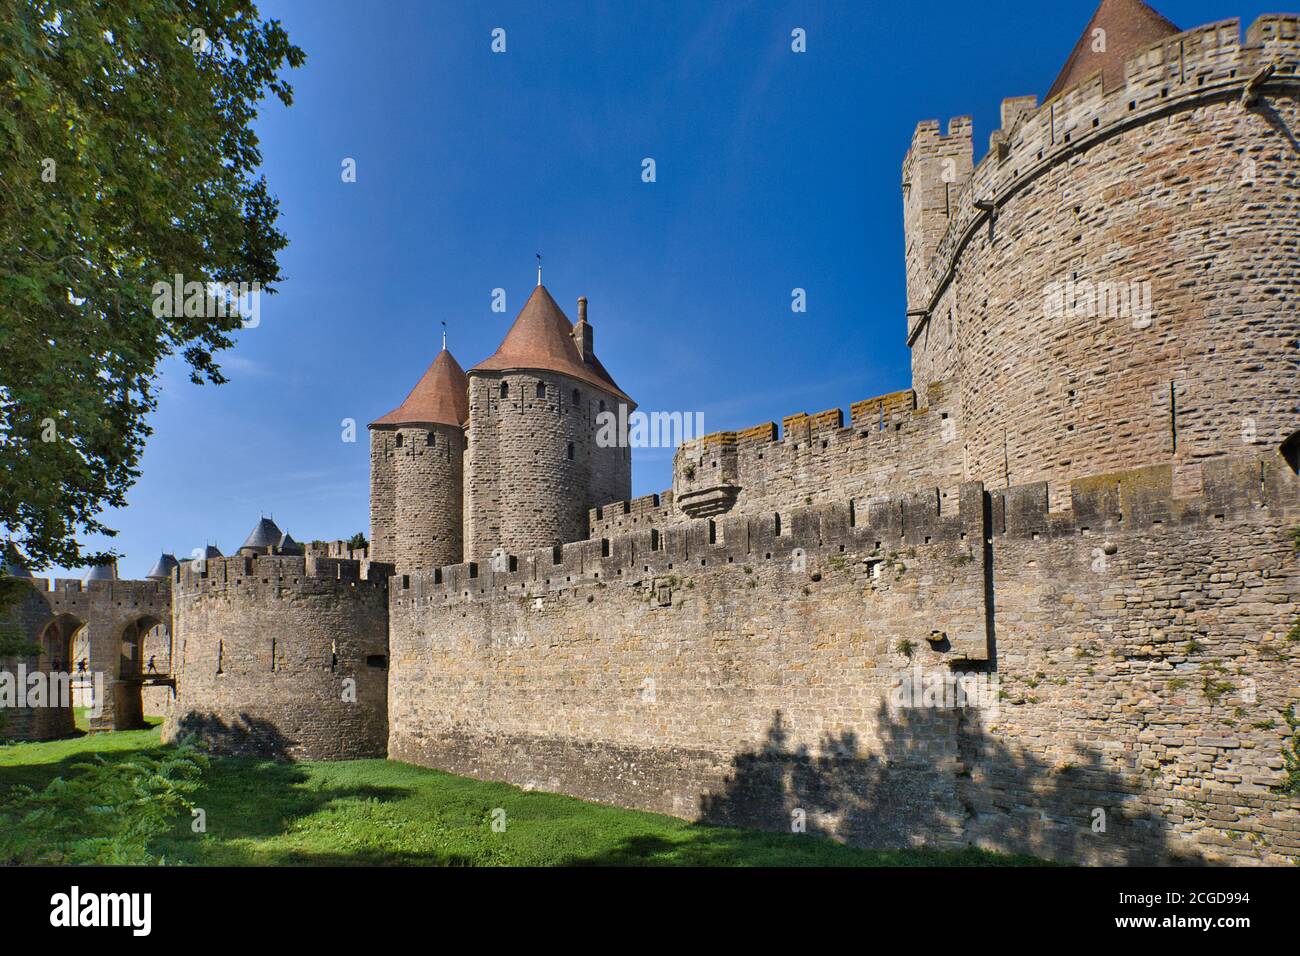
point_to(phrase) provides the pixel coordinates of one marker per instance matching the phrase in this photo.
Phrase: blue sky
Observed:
(775, 170)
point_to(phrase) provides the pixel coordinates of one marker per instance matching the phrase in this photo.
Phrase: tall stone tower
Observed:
(417, 472)
(534, 467)
(1113, 284)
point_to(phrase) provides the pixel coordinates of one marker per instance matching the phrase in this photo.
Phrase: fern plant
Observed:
(106, 813)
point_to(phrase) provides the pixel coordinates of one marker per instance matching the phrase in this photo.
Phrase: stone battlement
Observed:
(336, 549)
(1206, 63)
(77, 585)
(889, 441)
(197, 578)
(1135, 500)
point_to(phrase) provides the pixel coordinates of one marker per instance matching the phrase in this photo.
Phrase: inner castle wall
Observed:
(891, 442)
(1138, 641)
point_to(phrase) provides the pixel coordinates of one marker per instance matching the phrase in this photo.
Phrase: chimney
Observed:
(582, 335)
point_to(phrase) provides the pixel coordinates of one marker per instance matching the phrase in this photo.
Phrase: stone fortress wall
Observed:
(739, 669)
(282, 655)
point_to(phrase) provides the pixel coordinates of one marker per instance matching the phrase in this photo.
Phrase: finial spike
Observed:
(539, 268)
(444, 335)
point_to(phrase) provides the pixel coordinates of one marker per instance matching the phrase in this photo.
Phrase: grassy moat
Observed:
(359, 812)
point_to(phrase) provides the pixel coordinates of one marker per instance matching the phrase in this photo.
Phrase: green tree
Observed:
(126, 158)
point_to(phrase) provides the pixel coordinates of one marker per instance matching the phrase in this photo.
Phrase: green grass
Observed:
(261, 812)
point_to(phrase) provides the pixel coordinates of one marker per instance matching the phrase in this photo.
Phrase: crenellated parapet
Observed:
(889, 441)
(134, 591)
(199, 578)
(1205, 64)
(336, 549)
(1132, 501)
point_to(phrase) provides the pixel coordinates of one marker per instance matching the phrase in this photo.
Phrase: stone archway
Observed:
(133, 670)
(58, 642)
(93, 629)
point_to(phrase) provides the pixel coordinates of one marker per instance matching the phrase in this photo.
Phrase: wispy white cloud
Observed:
(241, 365)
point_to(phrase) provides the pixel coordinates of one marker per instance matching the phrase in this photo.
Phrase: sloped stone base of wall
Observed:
(863, 802)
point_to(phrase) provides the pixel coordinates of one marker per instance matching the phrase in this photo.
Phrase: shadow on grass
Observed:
(245, 736)
(246, 798)
(927, 775)
(707, 845)
(255, 799)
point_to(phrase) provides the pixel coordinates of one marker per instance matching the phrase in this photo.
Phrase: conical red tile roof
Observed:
(1130, 25)
(441, 397)
(542, 338)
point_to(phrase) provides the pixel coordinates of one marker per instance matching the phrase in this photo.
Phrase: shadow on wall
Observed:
(1277, 121)
(244, 737)
(944, 788)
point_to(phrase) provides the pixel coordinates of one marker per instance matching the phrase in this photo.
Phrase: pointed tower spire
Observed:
(162, 568)
(1119, 29)
(543, 338)
(440, 397)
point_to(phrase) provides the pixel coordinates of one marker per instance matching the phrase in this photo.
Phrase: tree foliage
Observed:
(126, 158)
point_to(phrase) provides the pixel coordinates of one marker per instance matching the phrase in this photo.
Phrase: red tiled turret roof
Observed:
(440, 397)
(542, 338)
(1129, 26)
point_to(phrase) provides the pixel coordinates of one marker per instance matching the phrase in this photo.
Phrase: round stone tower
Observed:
(1113, 285)
(281, 655)
(417, 454)
(534, 465)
